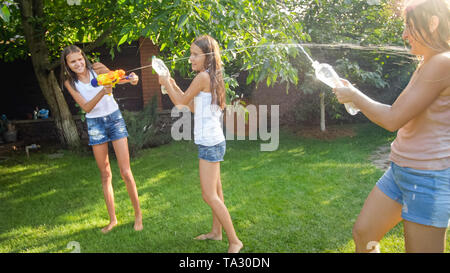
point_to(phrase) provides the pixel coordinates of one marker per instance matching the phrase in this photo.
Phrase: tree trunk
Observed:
(32, 12)
(322, 111)
(67, 129)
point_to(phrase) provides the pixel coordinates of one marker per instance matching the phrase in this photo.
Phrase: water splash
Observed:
(238, 50)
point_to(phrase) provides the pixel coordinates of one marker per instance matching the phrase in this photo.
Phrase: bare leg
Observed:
(102, 159)
(424, 239)
(123, 160)
(209, 174)
(216, 230)
(378, 215)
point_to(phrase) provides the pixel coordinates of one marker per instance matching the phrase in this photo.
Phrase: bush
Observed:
(308, 112)
(354, 73)
(162, 134)
(141, 126)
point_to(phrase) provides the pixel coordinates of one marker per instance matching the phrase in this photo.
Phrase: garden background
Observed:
(303, 197)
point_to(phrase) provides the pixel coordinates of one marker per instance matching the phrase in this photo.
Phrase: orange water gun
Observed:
(112, 78)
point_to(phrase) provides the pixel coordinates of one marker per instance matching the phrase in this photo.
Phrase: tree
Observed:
(41, 29)
(353, 22)
(248, 29)
(34, 32)
(258, 36)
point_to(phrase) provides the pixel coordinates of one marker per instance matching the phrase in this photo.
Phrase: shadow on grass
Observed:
(304, 197)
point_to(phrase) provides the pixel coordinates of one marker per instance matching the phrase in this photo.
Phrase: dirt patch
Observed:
(331, 132)
(380, 157)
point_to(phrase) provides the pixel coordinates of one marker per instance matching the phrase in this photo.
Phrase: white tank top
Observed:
(207, 121)
(104, 107)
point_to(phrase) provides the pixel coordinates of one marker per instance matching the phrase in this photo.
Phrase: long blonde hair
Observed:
(213, 64)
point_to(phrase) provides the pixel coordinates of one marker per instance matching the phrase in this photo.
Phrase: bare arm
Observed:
(87, 106)
(424, 87)
(100, 68)
(180, 98)
(178, 89)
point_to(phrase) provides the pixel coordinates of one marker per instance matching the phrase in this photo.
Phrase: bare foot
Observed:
(109, 227)
(235, 248)
(209, 236)
(138, 226)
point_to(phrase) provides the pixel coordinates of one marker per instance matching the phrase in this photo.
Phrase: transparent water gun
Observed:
(161, 69)
(326, 74)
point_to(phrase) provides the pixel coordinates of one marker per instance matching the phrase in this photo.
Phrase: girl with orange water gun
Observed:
(88, 84)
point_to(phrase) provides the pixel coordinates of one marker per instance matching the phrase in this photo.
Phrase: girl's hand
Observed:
(100, 68)
(133, 78)
(107, 89)
(345, 94)
(164, 80)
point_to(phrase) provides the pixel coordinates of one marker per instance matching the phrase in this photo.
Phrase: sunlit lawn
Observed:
(304, 197)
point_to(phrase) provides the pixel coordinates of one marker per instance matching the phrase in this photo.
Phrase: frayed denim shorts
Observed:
(424, 194)
(212, 153)
(107, 128)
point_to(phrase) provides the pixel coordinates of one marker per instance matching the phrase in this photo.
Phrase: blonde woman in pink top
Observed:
(416, 187)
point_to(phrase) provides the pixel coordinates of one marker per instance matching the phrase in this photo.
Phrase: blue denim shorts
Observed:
(107, 128)
(424, 194)
(212, 153)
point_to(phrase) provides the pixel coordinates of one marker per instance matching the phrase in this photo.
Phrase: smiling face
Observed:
(75, 61)
(197, 58)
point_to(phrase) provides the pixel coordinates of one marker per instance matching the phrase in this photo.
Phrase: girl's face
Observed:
(197, 58)
(417, 46)
(75, 61)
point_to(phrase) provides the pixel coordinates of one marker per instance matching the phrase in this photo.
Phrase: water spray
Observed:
(323, 72)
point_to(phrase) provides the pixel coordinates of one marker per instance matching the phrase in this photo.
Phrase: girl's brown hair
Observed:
(213, 65)
(417, 20)
(66, 72)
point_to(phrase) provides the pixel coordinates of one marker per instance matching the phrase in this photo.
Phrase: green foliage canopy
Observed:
(255, 35)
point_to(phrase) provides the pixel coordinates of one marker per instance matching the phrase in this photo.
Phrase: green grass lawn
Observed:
(304, 197)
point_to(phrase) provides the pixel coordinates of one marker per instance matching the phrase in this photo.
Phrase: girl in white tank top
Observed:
(102, 112)
(206, 98)
(105, 106)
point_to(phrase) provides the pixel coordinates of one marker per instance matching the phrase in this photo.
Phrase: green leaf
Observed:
(249, 78)
(183, 20)
(163, 45)
(5, 14)
(123, 39)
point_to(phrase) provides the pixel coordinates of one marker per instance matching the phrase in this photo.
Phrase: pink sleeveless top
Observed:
(424, 142)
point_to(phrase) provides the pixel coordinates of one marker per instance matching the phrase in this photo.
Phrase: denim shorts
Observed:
(212, 153)
(107, 128)
(424, 194)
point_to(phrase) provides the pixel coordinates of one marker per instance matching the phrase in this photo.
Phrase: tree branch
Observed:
(97, 43)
